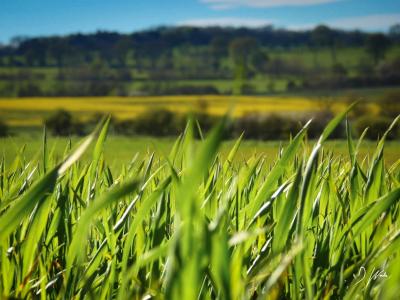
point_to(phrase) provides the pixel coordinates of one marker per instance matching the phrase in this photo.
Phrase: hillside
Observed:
(189, 60)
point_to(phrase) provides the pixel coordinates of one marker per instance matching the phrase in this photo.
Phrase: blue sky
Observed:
(49, 17)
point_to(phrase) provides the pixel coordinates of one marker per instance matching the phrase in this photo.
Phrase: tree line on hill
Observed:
(151, 45)
(106, 63)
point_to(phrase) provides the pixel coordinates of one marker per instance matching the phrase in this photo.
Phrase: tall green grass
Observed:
(194, 225)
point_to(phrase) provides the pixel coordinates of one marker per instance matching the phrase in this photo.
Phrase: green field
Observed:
(199, 219)
(120, 150)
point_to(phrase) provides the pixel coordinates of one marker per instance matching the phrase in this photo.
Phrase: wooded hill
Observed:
(290, 59)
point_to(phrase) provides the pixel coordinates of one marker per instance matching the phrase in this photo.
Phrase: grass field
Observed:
(347, 56)
(32, 111)
(198, 223)
(120, 150)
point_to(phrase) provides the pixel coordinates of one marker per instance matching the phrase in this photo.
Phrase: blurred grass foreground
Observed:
(193, 224)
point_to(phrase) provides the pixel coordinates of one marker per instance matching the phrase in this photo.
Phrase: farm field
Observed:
(120, 150)
(199, 219)
(28, 112)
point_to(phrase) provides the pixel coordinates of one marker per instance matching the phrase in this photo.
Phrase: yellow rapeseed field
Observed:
(32, 111)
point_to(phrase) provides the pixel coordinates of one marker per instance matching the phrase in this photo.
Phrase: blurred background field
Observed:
(272, 79)
(119, 151)
(31, 112)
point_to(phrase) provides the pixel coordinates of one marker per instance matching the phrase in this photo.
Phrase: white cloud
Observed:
(227, 4)
(227, 22)
(370, 22)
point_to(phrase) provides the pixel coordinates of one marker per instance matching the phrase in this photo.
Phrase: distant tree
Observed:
(16, 41)
(240, 50)
(339, 71)
(364, 67)
(219, 49)
(276, 66)
(323, 36)
(377, 45)
(264, 127)
(121, 50)
(29, 90)
(377, 126)
(99, 69)
(158, 122)
(8, 89)
(389, 105)
(271, 86)
(165, 61)
(291, 85)
(123, 74)
(61, 123)
(58, 50)
(321, 119)
(34, 51)
(3, 129)
(389, 68)
(394, 32)
(259, 61)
